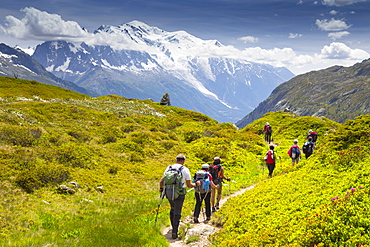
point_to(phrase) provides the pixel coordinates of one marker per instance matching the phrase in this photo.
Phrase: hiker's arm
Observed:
(222, 171)
(161, 184)
(192, 185)
(214, 186)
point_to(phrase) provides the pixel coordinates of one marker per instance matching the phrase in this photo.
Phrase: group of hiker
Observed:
(294, 151)
(207, 182)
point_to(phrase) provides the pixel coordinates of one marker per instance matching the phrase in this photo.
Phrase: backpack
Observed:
(173, 184)
(268, 129)
(214, 170)
(203, 177)
(294, 153)
(308, 148)
(313, 136)
(269, 158)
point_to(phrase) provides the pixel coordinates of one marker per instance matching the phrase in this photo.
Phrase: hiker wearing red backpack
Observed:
(217, 172)
(313, 136)
(294, 152)
(267, 130)
(270, 160)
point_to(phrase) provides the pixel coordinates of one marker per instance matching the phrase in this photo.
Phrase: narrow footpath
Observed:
(200, 230)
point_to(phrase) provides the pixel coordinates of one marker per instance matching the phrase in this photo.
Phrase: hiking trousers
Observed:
(271, 168)
(175, 212)
(198, 205)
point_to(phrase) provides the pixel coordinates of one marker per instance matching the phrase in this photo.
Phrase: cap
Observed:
(295, 141)
(216, 158)
(267, 123)
(310, 131)
(205, 166)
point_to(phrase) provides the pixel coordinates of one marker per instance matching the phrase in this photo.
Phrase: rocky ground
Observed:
(197, 234)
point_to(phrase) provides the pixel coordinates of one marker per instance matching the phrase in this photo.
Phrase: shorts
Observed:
(218, 182)
(295, 160)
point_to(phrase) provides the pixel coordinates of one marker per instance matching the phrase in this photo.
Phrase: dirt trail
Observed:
(202, 230)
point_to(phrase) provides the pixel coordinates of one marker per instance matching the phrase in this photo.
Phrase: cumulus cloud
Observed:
(248, 39)
(338, 35)
(340, 3)
(332, 25)
(294, 35)
(40, 25)
(341, 51)
(333, 12)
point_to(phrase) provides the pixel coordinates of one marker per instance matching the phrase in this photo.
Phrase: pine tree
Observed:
(165, 99)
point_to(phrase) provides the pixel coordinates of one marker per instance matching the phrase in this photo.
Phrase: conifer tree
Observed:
(165, 99)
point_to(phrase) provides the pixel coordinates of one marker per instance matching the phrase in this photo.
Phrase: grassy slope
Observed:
(50, 136)
(124, 145)
(323, 201)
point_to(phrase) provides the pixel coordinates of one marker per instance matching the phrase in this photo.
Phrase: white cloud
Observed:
(40, 25)
(248, 39)
(338, 35)
(333, 12)
(340, 3)
(332, 25)
(341, 51)
(294, 35)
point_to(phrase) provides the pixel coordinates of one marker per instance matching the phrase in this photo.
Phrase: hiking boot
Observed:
(174, 235)
(196, 220)
(214, 209)
(217, 205)
(208, 219)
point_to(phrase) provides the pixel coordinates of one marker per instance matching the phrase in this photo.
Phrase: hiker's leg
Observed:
(198, 205)
(219, 192)
(213, 195)
(207, 201)
(270, 167)
(177, 212)
(172, 204)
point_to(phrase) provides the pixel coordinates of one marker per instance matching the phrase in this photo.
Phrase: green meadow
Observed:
(116, 150)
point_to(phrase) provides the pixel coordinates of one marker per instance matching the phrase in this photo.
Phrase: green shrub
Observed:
(19, 136)
(42, 175)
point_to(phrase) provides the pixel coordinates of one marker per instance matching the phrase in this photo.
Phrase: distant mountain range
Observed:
(154, 62)
(16, 63)
(338, 93)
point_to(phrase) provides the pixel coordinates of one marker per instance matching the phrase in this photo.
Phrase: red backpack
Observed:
(269, 158)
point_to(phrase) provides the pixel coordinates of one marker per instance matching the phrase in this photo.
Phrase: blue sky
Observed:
(300, 35)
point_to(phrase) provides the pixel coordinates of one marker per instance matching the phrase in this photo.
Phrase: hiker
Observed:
(203, 192)
(217, 172)
(294, 152)
(176, 196)
(308, 147)
(313, 135)
(270, 160)
(267, 129)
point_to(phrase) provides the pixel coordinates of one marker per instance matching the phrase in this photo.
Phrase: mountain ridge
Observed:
(337, 92)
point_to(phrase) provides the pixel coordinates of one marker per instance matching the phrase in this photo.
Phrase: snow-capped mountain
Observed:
(147, 62)
(16, 63)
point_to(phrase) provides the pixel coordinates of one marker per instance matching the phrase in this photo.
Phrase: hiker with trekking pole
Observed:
(203, 192)
(172, 185)
(217, 172)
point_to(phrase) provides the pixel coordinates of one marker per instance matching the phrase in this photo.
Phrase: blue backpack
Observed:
(203, 177)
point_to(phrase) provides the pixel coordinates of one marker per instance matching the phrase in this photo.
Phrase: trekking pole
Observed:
(159, 205)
